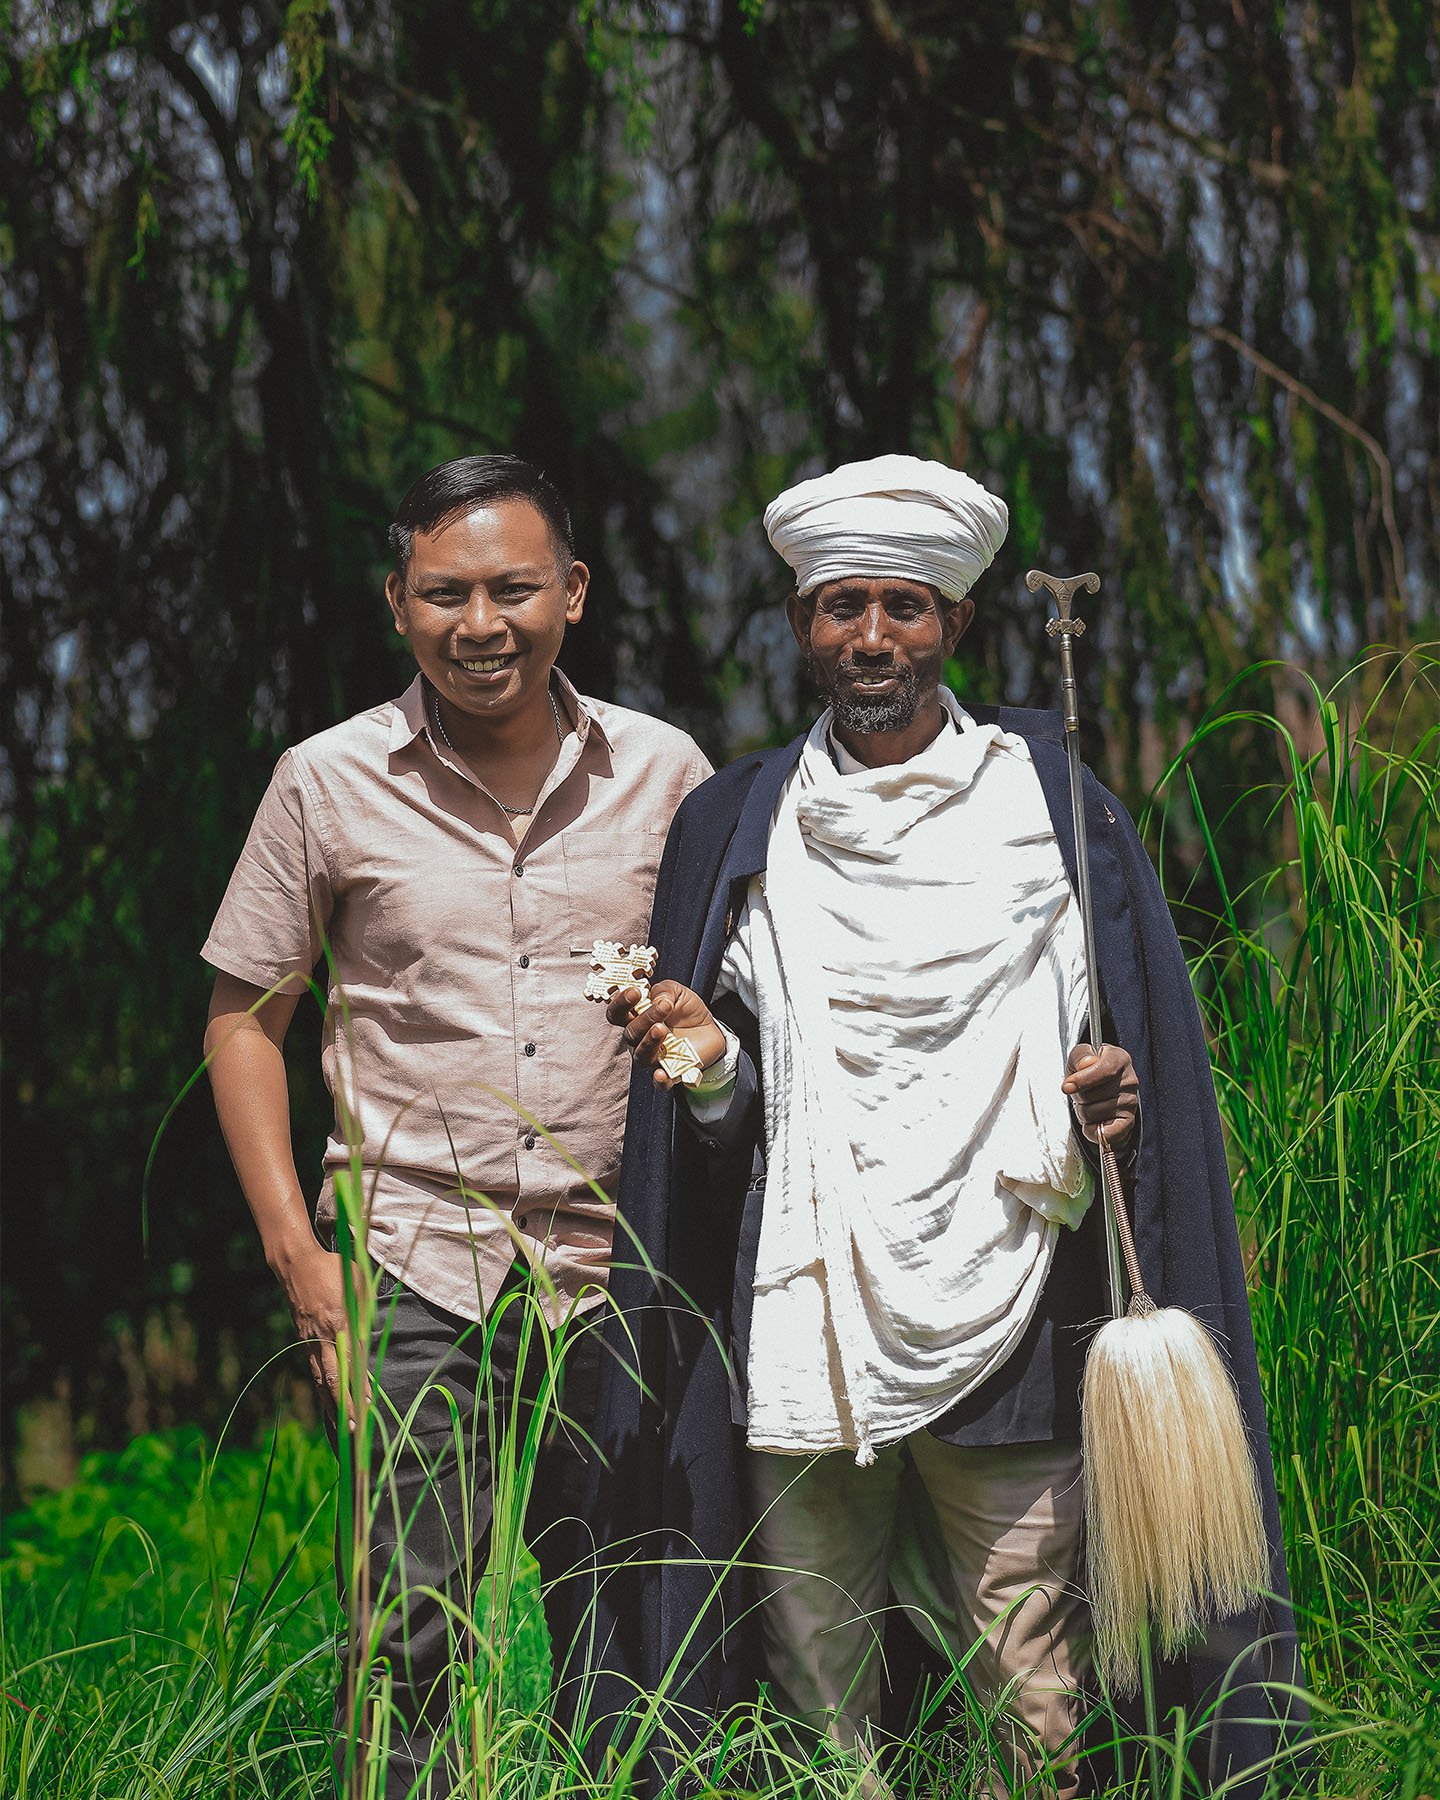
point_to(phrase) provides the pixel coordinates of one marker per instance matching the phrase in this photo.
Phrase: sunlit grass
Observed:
(1321, 987)
(168, 1626)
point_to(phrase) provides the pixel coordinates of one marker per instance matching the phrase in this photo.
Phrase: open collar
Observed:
(410, 716)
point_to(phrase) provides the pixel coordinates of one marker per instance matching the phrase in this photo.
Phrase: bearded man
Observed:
(878, 1199)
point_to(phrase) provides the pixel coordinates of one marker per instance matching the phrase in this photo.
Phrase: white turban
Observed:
(893, 515)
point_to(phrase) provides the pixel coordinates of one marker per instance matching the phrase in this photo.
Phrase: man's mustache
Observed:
(903, 670)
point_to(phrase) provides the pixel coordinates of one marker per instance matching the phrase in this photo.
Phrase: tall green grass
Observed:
(1320, 980)
(168, 1626)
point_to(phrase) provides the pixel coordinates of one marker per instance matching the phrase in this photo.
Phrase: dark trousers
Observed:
(443, 1402)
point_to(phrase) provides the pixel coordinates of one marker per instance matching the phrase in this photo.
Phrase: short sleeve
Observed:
(276, 911)
(699, 770)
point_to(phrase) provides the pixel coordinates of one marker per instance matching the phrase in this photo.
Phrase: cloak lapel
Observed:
(1120, 952)
(1107, 883)
(744, 858)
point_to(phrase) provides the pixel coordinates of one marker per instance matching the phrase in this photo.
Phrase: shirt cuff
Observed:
(709, 1099)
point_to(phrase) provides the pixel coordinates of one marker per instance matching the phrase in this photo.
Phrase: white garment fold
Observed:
(914, 958)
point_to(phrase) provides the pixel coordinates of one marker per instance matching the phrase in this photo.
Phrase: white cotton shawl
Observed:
(916, 964)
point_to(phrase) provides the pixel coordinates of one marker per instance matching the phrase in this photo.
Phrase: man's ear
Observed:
(955, 619)
(577, 585)
(801, 614)
(395, 594)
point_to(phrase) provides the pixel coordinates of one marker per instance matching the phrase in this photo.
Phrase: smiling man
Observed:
(450, 857)
(878, 1200)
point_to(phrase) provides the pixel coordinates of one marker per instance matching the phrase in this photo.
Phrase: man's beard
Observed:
(858, 712)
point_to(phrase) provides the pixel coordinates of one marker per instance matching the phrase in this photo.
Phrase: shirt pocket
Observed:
(610, 885)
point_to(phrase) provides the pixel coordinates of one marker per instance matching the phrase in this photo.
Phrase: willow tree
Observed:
(1168, 274)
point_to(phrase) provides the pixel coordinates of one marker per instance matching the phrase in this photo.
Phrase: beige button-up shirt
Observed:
(457, 1036)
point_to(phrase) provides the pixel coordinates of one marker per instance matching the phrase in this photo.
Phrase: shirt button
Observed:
(524, 962)
(519, 868)
(529, 1049)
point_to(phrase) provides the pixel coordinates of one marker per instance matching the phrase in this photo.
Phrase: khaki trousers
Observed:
(990, 1562)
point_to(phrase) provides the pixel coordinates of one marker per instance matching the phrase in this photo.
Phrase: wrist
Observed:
(290, 1252)
(708, 1042)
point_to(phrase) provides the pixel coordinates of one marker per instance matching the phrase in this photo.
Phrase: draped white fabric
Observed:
(914, 957)
(891, 515)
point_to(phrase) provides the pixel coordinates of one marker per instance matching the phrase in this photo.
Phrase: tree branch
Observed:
(1342, 422)
(465, 428)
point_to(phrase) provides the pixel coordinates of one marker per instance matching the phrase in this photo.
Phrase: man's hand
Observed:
(314, 1286)
(674, 1009)
(1104, 1090)
(243, 1047)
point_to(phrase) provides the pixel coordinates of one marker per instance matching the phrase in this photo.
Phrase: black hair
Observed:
(454, 487)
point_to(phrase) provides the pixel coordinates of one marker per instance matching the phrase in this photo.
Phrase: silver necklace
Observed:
(512, 812)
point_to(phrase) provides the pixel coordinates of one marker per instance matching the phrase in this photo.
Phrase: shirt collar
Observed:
(409, 718)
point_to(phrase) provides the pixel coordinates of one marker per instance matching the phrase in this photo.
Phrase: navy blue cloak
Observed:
(664, 1504)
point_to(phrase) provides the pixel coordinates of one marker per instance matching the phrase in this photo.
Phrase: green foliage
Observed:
(172, 1612)
(147, 223)
(1321, 986)
(165, 1621)
(307, 133)
(160, 1510)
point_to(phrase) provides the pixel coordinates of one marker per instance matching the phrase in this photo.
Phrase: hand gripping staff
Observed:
(1172, 1511)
